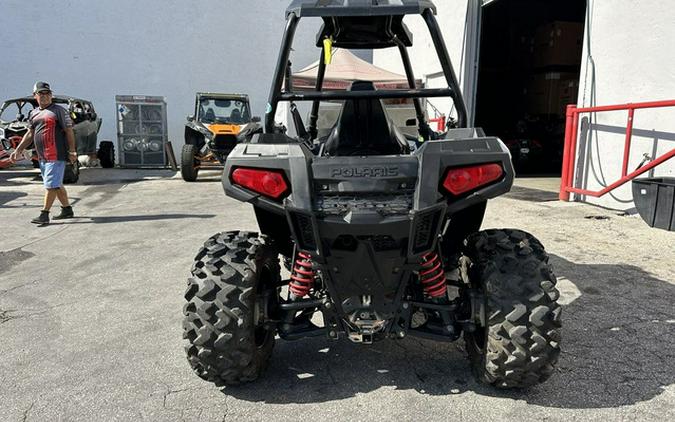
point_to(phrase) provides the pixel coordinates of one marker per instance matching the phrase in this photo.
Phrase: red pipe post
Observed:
(573, 150)
(564, 194)
(626, 146)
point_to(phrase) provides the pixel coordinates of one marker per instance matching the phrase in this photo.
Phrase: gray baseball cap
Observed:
(41, 87)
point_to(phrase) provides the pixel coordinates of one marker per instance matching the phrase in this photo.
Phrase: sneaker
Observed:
(43, 219)
(66, 212)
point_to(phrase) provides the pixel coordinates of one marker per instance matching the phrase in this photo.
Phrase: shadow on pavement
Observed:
(208, 179)
(618, 338)
(6, 197)
(83, 219)
(531, 194)
(28, 175)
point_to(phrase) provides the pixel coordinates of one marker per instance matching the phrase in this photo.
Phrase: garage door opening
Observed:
(529, 65)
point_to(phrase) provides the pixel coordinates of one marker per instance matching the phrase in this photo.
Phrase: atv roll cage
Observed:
(379, 27)
(199, 112)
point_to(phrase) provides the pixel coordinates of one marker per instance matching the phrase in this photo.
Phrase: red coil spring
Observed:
(432, 275)
(302, 276)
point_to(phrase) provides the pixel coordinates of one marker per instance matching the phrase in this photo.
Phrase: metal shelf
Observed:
(137, 145)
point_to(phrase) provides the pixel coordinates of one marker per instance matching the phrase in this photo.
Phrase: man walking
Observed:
(51, 130)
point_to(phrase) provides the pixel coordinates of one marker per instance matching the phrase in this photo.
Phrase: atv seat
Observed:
(364, 128)
(209, 115)
(235, 116)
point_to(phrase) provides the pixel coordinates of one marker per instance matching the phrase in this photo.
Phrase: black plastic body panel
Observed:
(365, 219)
(365, 32)
(340, 8)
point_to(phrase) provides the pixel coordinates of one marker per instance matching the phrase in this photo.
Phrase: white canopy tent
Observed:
(346, 68)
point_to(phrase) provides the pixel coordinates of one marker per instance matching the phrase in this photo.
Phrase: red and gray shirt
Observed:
(49, 134)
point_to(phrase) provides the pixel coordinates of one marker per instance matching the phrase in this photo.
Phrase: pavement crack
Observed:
(5, 315)
(227, 409)
(2, 292)
(27, 411)
(44, 238)
(169, 391)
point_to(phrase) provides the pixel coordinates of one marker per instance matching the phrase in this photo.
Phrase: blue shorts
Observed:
(52, 173)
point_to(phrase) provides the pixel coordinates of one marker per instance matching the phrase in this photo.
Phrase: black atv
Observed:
(379, 231)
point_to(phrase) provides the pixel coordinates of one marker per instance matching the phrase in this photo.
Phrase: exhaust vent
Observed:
(425, 227)
(304, 231)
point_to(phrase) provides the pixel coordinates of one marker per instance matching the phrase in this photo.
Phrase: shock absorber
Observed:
(432, 276)
(302, 276)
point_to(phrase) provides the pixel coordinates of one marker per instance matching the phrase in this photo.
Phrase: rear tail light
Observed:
(270, 183)
(465, 179)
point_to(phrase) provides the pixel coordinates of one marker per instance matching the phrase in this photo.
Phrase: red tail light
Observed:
(465, 179)
(270, 183)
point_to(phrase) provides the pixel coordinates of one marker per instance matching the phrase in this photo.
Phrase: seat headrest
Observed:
(362, 86)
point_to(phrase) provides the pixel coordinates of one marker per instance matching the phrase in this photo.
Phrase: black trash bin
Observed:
(655, 201)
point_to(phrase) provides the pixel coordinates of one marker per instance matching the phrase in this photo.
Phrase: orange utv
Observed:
(211, 132)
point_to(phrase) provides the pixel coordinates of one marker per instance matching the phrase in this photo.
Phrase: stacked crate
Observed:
(556, 58)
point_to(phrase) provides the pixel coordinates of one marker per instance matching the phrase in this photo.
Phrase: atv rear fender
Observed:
(377, 185)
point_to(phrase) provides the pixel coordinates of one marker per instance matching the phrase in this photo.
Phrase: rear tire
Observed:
(72, 173)
(232, 289)
(188, 163)
(518, 343)
(106, 154)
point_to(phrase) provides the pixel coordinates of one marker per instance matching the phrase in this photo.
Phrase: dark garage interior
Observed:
(529, 66)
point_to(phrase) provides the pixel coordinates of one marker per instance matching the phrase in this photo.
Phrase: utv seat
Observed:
(209, 115)
(235, 116)
(364, 128)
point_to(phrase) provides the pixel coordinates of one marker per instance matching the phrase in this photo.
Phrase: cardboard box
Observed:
(522, 52)
(549, 93)
(558, 44)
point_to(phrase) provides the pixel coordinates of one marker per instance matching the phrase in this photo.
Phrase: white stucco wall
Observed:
(628, 57)
(99, 49)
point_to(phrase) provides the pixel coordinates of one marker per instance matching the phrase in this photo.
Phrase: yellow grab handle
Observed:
(328, 50)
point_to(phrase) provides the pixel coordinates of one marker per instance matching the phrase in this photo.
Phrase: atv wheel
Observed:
(518, 342)
(188, 163)
(106, 154)
(231, 292)
(72, 172)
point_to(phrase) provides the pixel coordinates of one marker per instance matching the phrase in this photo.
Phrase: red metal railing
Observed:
(570, 149)
(440, 122)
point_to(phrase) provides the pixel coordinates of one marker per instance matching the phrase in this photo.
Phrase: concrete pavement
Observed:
(90, 318)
